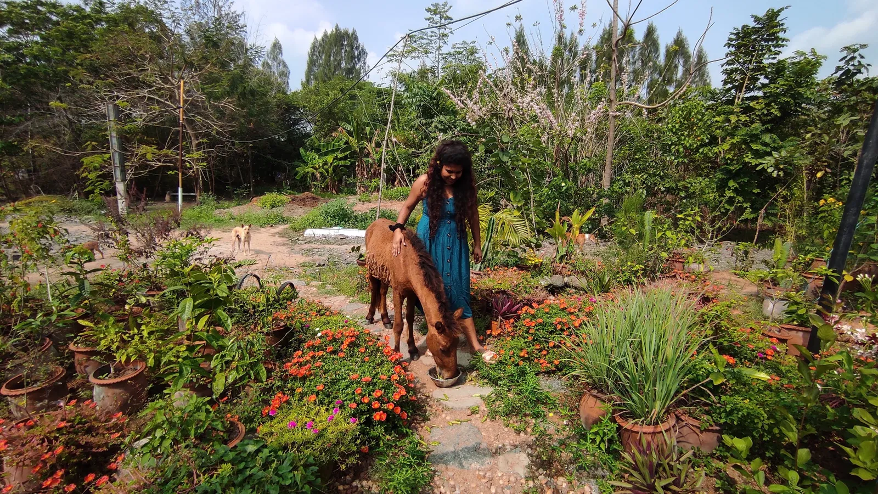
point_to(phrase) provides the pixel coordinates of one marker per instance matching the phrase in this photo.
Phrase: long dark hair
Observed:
(451, 153)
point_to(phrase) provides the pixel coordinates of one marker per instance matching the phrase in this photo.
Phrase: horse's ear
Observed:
(458, 313)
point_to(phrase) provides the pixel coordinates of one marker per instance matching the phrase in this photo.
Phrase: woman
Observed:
(448, 191)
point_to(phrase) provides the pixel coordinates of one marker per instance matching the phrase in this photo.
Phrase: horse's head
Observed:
(442, 342)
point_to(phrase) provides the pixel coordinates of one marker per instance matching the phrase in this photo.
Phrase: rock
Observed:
(461, 397)
(556, 282)
(460, 446)
(551, 384)
(576, 282)
(513, 462)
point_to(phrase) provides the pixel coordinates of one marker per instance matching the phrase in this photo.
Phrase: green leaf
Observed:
(803, 455)
(185, 308)
(717, 378)
(754, 374)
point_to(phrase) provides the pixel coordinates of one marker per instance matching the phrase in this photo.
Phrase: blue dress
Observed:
(450, 253)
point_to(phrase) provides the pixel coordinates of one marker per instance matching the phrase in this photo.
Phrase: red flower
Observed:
(103, 480)
(319, 387)
(89, 477)
(377, 393)
(69, 487)
(312, 398)
(375, 404)
(364, 449)
(352, 405)
(358, 390)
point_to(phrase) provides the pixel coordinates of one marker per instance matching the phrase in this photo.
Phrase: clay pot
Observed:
(790, 335)
(202, 389)
(20, 477)
(592, 408)
(237, 432)
(813, 284)
(774, 308)
(85, 359)
(689, 434)
(50, 393)
(653, 435)
(675, 263)
(818, 262)
(125, 393)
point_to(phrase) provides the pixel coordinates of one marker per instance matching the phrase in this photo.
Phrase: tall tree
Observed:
(275, 65)
(752, 50)
(336, 53)
(647, 69)
(702, 75)
(677, 63)
(429, 44)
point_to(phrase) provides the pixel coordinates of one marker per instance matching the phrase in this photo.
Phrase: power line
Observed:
(362, 77)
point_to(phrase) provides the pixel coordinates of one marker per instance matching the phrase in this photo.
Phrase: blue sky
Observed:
(823, 25)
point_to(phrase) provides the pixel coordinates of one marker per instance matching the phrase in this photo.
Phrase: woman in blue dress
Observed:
(448, 192)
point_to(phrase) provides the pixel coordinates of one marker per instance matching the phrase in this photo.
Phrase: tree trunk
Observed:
(611, 130)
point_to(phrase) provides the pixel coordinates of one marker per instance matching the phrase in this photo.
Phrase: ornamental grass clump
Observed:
(640, 349)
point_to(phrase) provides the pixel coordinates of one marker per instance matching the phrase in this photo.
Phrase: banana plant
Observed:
(487, 248)
(558, 232)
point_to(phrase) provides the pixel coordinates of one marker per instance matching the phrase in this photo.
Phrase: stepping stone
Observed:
(461, 397)
(459, 446)
(513, 462)
(551, 384)
(355, 308)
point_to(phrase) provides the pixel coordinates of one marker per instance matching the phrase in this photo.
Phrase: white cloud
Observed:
(859, 26)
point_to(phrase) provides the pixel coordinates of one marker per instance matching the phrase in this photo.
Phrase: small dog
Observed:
(584, 238)
(241, 234)
(93, 246)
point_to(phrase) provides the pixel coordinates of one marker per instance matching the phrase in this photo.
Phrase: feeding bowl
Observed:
(443, 383)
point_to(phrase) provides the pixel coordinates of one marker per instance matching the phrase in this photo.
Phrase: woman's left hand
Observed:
(477, 253)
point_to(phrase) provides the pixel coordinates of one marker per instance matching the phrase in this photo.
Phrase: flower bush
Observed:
(318, 432)
(65, 449)
(347, 363)
(541, 331)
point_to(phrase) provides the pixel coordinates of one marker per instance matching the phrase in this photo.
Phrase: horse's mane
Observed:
(432, 279)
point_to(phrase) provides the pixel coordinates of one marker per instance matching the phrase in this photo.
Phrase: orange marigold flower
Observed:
(352, 405)
(312, 398)
(403, 415)
(319, 387)
(375, 404)
(396, 410)
(358, 390)
(365, 399)
(377, 393)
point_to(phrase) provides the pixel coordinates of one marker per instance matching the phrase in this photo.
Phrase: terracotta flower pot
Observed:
(654, 435)
(790, 335)
(818, 262)
(125, 393)
(25, 401)
(592, 408)
(675, 263)
(202, 389)
(689, 434)
(813, 284)
(237, 432)
(20, 477)
(85, 359)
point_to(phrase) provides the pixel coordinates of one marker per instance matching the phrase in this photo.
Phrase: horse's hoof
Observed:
(370, 320)
(388, 325)
(415, 356)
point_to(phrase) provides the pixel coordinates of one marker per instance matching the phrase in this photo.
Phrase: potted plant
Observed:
(62, 447)
(696, 262)
(40, 387)
(640, 350)
(693, 433)
(503, 308)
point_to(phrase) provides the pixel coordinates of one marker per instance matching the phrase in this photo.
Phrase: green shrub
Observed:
(254, 306)
(255, 468)
(272, 200)
(401, 466)
(338, 212)
(325, 433)
(517, 396)
(396, 193)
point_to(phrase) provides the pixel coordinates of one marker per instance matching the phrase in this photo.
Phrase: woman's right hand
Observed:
(398, 241)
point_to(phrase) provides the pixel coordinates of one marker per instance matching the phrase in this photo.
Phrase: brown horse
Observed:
(412, 276)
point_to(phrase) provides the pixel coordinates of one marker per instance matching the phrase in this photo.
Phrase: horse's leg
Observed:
(397, 309)
(375, 285)
(410, 320)
(397, 320)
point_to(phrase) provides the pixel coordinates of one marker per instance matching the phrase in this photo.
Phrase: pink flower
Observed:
(353, 420)
(272, 412)
(291, 424)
